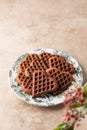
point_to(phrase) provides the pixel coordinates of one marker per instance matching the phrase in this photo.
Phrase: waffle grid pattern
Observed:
(42, 83)
(57, 62)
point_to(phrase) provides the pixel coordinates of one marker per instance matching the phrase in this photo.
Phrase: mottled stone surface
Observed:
(28, 25)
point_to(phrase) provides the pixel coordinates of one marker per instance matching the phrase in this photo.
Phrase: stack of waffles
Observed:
(44, 73)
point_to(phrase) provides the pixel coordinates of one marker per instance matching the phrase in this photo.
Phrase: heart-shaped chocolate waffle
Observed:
(26, 62)
(29, 58)
(62, 65)
(22, 66)
(38, 64)
(20, 78)
(29, 71)
(27, 85)
(63, 81)
(42, 84)
(35, 65)
(53, 72)
(45, 57)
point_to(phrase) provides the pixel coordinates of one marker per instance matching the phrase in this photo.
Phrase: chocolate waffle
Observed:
(22, 66)
(29, 71)
(53, 72)
(20, 78)
(29, 58)
(27, 85)
(27, 61)
(42, 84)
(64, 80)
(62, 65)
(38, 64)
(35, 65)
(45, 57)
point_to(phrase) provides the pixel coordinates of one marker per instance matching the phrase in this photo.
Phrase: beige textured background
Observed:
(29, 24)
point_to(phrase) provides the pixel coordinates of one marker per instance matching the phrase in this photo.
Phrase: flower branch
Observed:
(75, 104)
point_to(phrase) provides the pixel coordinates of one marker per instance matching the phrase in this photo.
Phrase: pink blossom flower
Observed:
(73, 96)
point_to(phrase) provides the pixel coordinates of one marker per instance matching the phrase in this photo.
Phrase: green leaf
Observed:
(74, 105)
(64, 126)
(85, 90)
